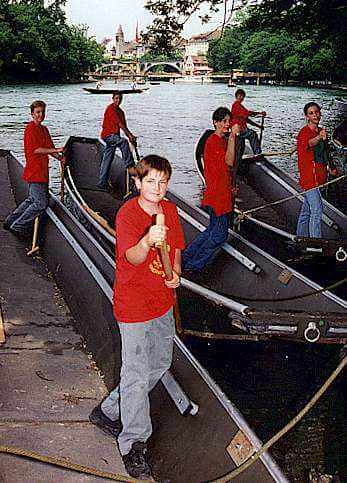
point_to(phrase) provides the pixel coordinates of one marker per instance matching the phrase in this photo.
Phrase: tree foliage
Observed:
(37, 44)
(300, 39)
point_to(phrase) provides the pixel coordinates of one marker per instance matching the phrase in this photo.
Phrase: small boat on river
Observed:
(341, 104)
(95, 90)
(273, 226)
(191, 415)
(245, 288)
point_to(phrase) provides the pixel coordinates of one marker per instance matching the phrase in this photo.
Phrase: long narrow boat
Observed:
(94, 90)
(271, 223)
(191, 415)
(245, 288)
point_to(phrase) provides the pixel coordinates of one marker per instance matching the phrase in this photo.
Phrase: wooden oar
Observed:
(165, 258)
(98, 218)
(280, 153)
(34, 246)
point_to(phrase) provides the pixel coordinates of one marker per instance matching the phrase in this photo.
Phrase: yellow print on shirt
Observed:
(156, 266)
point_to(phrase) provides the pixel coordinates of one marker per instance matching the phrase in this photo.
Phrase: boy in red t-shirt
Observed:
(240, 116)
(114, 121)
(313, 166)
(143, 307)
(219, 157)
(38, 145)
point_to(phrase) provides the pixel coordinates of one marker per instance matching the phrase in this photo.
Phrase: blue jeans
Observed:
(253, 139)
(309, 221)
(146, 356)
(200, 250)
(113, 141)
(22, 218)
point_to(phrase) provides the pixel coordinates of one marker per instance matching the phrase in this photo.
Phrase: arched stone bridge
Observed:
(131, 66)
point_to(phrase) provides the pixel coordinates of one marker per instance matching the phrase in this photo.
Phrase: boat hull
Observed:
(245, 287)
(83, 274)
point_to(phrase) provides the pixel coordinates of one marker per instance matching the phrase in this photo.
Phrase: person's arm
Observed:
(176, 271)
(55, 152)
(230, 154)
(137, 254)
(257, 113)
(253, 123)
(322, 134)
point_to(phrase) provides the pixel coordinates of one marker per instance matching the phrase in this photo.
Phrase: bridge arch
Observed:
(176, 65)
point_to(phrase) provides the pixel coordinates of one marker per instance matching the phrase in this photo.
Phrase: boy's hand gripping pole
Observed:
(165, 258)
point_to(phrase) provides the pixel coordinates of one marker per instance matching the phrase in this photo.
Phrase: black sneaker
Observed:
(98, 418)
(5, 225)
(135, 462)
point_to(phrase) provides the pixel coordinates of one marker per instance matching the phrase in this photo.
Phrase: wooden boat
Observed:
(191, 415)
(245, 288)
(274, 227)
(340, 137)
(341, 104)
(94, 90)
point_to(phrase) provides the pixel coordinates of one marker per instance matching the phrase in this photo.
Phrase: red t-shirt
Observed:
(239, 115)
(140, 293)
(311, 174)
(217, 176)
(36, 165)
(112, 119)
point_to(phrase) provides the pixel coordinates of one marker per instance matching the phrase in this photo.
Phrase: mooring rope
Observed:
(280, 299)
(12, 450)
(288, 198)
(253, 458)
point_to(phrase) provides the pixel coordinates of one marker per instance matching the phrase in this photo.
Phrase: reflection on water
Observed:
(269, 382)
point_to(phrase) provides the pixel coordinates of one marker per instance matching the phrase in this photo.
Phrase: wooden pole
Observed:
(165, 258)
(261, 129)
(62, 179)
(34, 246)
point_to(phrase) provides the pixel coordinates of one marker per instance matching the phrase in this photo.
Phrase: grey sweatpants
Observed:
(146, 356)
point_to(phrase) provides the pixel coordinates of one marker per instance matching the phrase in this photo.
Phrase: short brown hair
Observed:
(37, 104)
(153, 161)
(117, 93)
(311, 104)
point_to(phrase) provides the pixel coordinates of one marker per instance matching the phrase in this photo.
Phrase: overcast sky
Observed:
(104, 16)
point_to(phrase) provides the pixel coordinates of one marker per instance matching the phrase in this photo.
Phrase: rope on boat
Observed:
(253, 458)
(12, 450)
(283, 200)
(281, 299)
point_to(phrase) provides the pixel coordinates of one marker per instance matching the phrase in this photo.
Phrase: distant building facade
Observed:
(118, 47)
(195, 54)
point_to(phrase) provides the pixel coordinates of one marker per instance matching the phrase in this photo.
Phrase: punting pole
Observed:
(165, 258)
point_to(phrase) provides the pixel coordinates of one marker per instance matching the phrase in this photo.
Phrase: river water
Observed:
(269, 382)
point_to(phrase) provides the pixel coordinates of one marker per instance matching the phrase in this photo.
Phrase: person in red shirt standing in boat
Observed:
(114, 121)
(240, 116)
(219, 158)
(143, 306)
(38, 145)
(313, 164)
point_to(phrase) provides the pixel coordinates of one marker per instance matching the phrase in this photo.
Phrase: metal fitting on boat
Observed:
(341, 255)
(312, 333)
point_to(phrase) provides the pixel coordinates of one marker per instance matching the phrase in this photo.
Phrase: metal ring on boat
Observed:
(312, 333)
(341, 255)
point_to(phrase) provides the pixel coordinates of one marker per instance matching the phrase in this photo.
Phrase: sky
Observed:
(104, 16)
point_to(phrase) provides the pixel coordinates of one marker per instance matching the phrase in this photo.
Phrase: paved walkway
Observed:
(48, 384)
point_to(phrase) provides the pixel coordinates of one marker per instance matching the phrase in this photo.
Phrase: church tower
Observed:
(119, 41)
